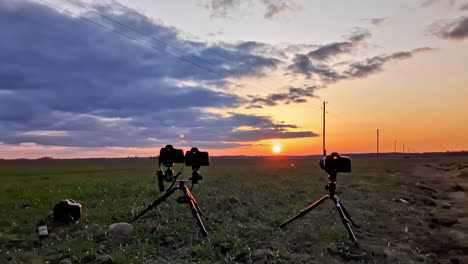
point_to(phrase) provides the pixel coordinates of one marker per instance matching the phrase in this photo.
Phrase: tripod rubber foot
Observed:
(356, 244)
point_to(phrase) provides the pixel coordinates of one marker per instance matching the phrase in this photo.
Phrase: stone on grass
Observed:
(121, 230)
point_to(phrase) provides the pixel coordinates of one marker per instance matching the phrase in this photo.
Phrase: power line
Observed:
(137, 40)
(134, 11)
(180, 50)
(142, 33)
(132, 38)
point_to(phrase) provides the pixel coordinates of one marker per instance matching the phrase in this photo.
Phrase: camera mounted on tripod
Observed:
(335, 163)
(332, 164)
(169, 156)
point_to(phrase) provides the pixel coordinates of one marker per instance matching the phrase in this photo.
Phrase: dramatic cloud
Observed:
(313, 64)
(375, 64)
(68, 82)
(464, 7)
(294, 95)
(331, 50)
(453, 30)
(302, 64)
(273, 8)
(184, 126)
(360, 69)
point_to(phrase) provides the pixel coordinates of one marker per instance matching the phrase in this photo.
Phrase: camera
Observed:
(335, 163)
(169, 155)
(196, 158)
(67, 211)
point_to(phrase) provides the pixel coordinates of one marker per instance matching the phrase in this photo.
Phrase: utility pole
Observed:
(395, 146)
(377, 143)
(403, 148)
(323, 135)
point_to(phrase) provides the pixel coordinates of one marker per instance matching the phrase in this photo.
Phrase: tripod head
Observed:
(196, 176)
(331, 186)
(166, 175)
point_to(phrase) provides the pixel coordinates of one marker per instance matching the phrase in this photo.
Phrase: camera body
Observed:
(67, 211)
(169, 155)
(335, 163)
(196, 158)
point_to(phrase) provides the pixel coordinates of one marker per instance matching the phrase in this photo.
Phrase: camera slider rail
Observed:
(186, 198)
(344, 215)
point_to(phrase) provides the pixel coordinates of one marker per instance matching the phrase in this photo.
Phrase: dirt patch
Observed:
(439, 200)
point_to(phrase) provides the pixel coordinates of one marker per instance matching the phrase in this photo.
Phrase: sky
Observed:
(120, 78)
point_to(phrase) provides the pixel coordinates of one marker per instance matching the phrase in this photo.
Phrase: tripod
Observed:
(186, 198)
(345, 216)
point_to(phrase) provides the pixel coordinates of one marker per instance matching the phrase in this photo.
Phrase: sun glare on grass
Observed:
(276, 149)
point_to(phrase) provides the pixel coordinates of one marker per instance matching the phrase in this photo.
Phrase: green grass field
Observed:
(243, 200)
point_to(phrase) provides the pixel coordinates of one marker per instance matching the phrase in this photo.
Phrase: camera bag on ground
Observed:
(67, 211)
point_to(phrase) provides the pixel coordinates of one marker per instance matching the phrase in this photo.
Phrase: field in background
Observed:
(244, 200)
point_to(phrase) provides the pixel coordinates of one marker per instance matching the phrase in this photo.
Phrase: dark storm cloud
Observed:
(294, 95)
(453, 30)
(67, 82)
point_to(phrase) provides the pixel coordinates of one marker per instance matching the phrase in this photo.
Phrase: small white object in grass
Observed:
(43, 230)
(121, 230)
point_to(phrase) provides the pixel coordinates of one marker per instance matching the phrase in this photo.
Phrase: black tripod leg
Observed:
(305, 211)
(195, 210)
(155, 203)
(347, 214)
(345, 221)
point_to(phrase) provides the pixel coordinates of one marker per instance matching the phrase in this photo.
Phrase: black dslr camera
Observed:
(67, 211)
(196, 158)
(335, 163)
(167, 157)
(170, 155)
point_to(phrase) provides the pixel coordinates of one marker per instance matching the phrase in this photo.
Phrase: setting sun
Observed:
(276, 149)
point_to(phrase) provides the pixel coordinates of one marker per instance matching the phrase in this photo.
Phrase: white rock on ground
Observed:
(121, 230)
